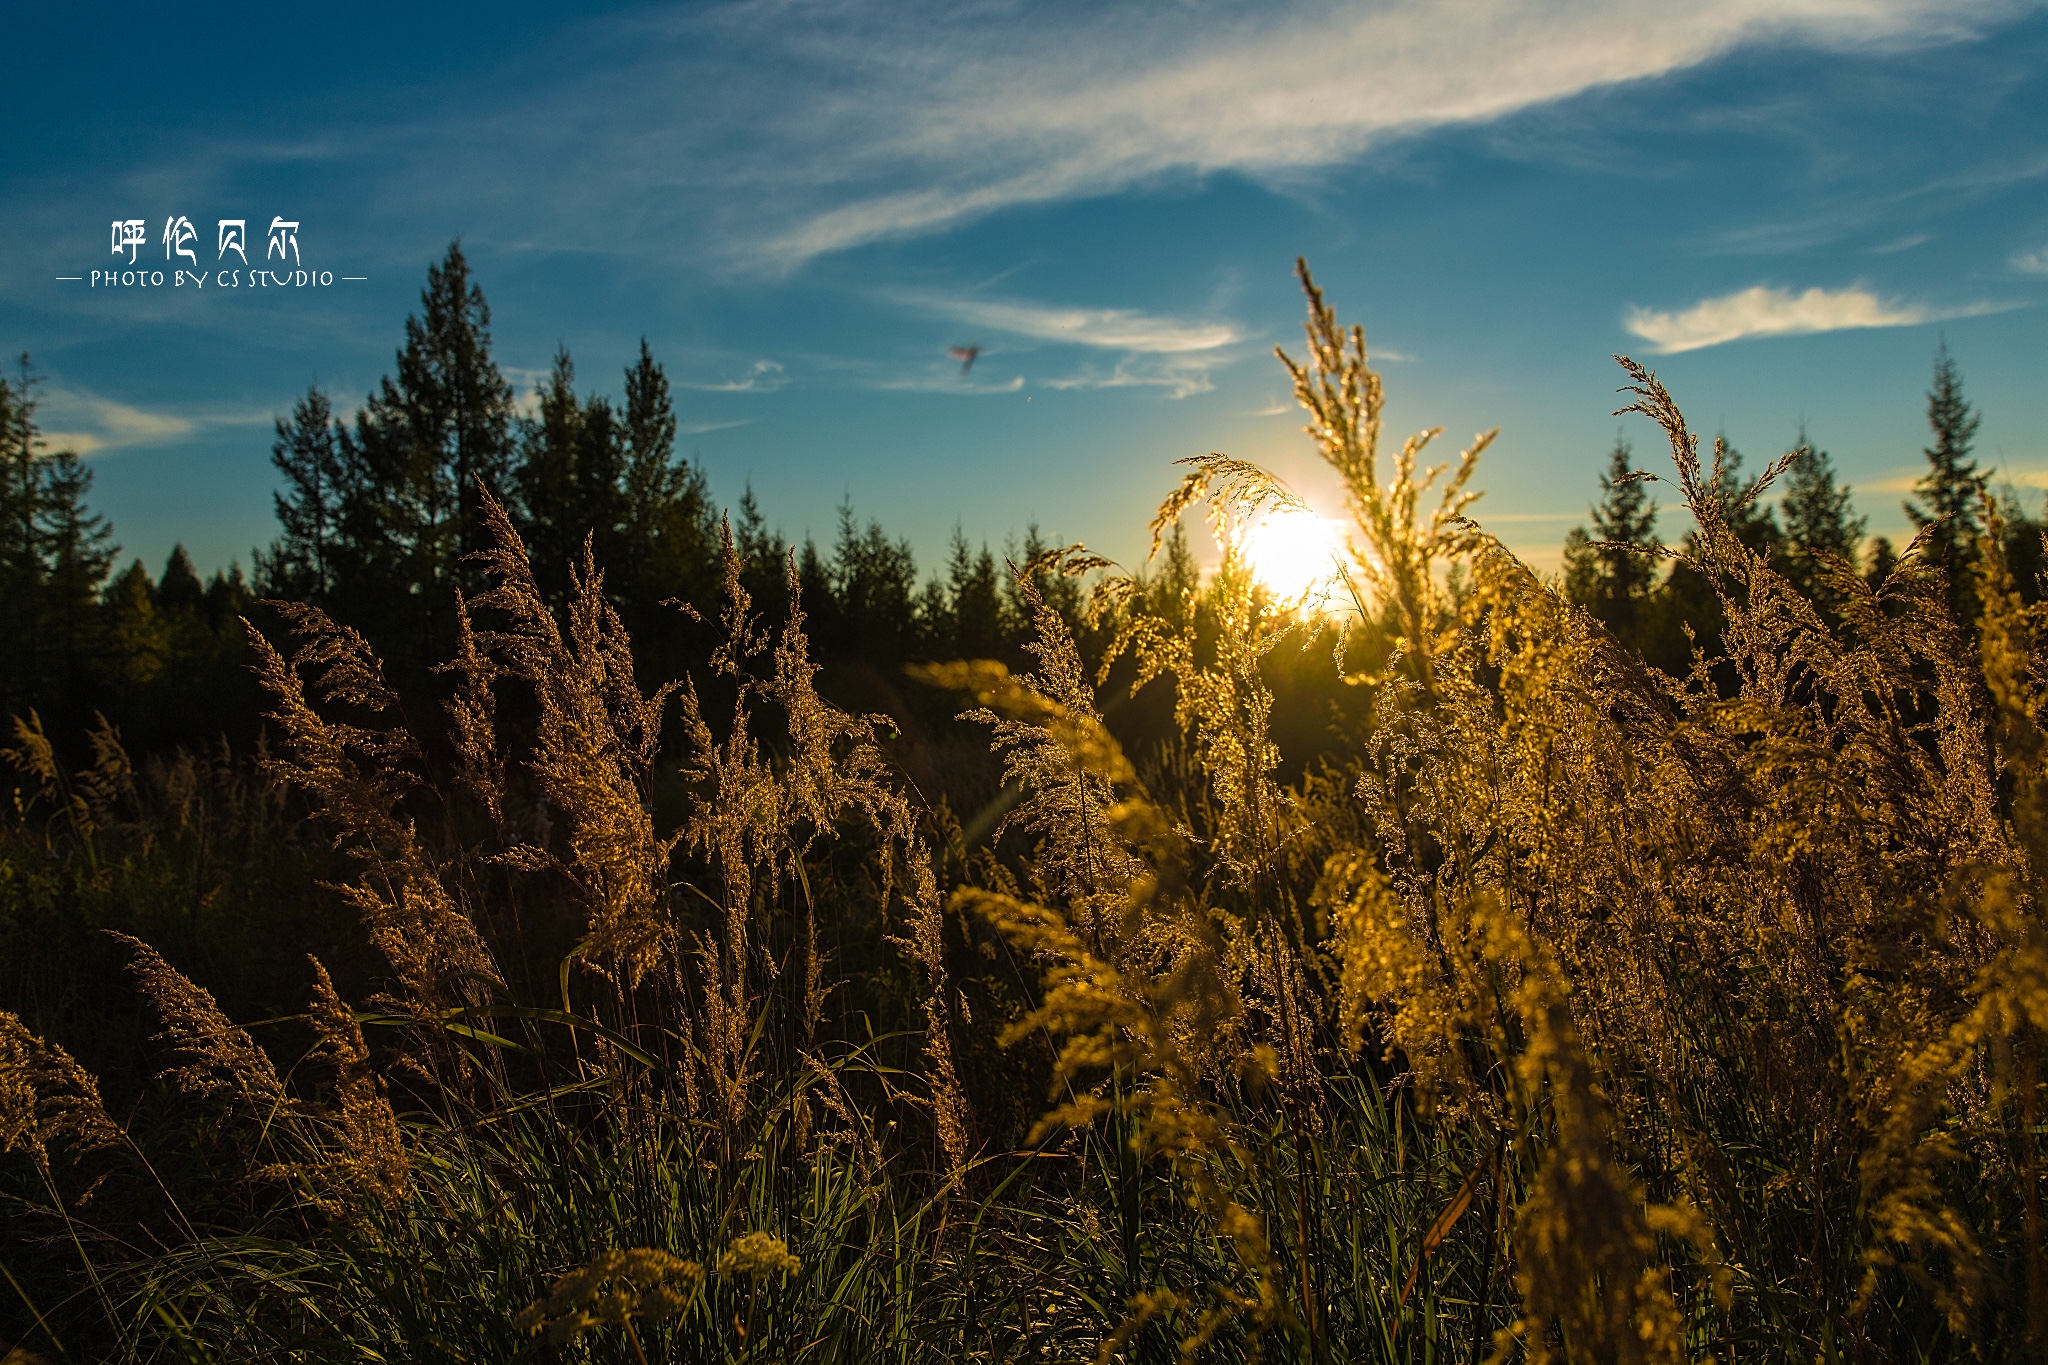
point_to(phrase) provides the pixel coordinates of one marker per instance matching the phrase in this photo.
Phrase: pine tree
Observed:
(1880, 562)
(875, 580)
(1610, 570)
(1752, 520)
(78, 550)
(1820, 523)
(179, 592)
(422, 443)
(54, 555)
(21, 575)
(1580, 569)
(1688, 598)
(1058, 591)
(671, 537)
(548, 476)
(764, 560)
(975, 629)
(818, 598)
(138, 639)
(1174, 581)
(586, 468)
(301, 563)
(1952, 490)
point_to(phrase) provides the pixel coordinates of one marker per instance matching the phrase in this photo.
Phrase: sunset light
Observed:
(1295, 553)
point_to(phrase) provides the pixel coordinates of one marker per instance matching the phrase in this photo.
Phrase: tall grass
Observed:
(1567, 1011)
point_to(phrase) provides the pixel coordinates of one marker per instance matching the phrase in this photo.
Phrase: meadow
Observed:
(1534, 1003)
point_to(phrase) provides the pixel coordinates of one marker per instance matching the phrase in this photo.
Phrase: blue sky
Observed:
(802, 204)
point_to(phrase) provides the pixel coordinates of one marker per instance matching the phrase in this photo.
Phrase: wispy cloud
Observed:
(700, 428)
(947, 380)
(1158, 352)
(1115, 329)
(763, 376)
(1180, 376)
(771, 132)
(918, 116)
(1761, 311)
(2033, 262)
(88, 424)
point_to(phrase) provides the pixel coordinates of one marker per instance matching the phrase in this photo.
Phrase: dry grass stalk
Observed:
(594, 748)
(220, 1056)
(756, 821)
(1135, 991)
(368, 1153)
(360, 777)
(46, 1097)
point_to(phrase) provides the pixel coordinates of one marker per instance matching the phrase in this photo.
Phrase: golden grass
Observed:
(1724, 993)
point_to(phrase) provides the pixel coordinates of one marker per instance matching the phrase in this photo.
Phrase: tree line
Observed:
(378, 514)
(1616, 569)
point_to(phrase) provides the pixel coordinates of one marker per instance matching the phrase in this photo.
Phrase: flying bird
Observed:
(965, 355)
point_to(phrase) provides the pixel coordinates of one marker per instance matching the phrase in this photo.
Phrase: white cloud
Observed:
(2031, 262)
(764, 376)
(1158, 352)
(881, 122)
(87, 424)
(948, 379)
(1180, 376)
(1115, 329)
(770, 132)
(1761, 311)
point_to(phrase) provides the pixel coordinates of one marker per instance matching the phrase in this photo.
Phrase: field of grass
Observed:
(1565, 1010)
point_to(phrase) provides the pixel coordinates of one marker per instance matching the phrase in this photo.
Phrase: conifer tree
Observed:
(1610, 570)
(764, 559)
(975, 629)
(179, 592)
(1820, 522)
(671, 547)
(1688, 599)
(301, 563)
(21, 574)
(422, 442)
(1949, 494)
(1173, 581)
(875, 582)
(1754, 522)
(555, 515)
(816, 596)
(586, 468)
(1058, 591)
(54, 555)
(138, 639)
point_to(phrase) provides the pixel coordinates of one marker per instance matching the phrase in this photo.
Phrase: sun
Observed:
(1294, 553)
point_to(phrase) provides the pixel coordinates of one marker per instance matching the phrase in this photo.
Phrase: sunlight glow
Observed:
(1295, 553)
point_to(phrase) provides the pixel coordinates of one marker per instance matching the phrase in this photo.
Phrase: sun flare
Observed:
(1295, 553)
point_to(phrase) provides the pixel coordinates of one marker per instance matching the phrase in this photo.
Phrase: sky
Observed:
(1782, 206)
